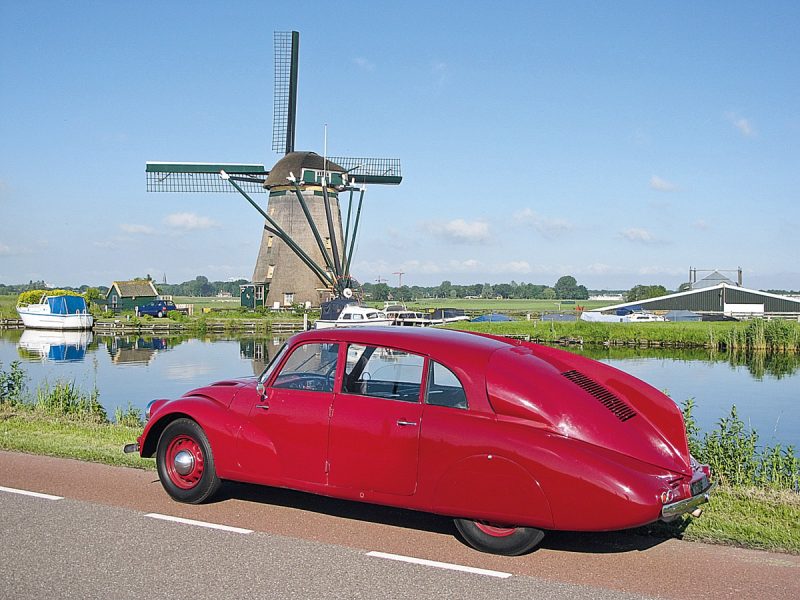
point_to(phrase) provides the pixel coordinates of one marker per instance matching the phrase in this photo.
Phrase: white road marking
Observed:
(198, 523)
(439, 565)
(28, 493)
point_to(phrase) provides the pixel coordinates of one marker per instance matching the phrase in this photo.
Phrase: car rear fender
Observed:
(492, 488)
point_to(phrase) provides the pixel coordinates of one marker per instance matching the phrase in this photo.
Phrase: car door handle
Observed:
(263, 406)
(404, 423)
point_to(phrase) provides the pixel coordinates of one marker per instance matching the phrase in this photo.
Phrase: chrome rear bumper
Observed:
(670, 511)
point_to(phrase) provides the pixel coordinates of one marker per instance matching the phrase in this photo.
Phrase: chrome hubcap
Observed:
(184, 462)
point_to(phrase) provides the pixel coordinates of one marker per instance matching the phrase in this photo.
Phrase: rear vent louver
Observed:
(621, 410)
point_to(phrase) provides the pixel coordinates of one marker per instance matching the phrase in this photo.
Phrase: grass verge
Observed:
(742, 516)
(35, 433)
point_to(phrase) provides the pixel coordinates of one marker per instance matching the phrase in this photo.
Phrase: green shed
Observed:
(127, 295)
(252, 294)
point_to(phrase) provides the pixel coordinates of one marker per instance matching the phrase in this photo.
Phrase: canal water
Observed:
(136, 369)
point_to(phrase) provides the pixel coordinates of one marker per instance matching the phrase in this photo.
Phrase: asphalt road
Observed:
(106, 537)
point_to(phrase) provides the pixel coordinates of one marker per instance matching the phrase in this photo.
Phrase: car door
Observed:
(285, 436)
(376, 421)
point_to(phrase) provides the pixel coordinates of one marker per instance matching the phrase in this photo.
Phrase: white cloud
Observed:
(514, 266)
(364, 64)
(701, 224)
(640, 236)
(132, 228)
(459, 231)
(546, 226)
(5, 250)
(741, 123)
(662, 185)
(189, 221)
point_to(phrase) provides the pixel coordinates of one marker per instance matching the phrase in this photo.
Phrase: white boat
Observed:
(447, 315)
(348, 313)
(56, 312)
(56, 346)
(400, 315)
(633, 317)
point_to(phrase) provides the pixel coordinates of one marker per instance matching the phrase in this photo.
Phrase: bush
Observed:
(33, 296)
(63, 398)
(733, 453)
(12, 384)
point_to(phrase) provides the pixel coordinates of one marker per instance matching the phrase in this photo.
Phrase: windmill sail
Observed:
(287, 47)
(202, 177)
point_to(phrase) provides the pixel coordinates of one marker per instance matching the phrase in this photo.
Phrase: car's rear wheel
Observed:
(185, 462)
(499, 539)
(160, 314)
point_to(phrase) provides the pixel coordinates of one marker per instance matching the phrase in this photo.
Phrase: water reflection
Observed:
(41, 344)
(134, 349)
(759, 364)
(259, 351)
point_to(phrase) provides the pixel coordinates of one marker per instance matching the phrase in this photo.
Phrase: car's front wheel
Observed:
(499, 539)
(185, 462)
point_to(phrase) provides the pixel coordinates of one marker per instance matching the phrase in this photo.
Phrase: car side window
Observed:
(383, 373)
(444, 388)
(309, 367)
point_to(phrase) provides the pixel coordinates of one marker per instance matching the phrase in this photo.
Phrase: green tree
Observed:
(547, 293)
(567, 288)
(643, 292)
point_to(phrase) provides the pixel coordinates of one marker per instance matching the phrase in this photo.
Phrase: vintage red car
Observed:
(507, 437)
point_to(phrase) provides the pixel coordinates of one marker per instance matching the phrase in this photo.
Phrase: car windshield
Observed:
(272, 364)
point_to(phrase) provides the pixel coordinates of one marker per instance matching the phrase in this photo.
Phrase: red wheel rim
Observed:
(190, 478)
(494, 530)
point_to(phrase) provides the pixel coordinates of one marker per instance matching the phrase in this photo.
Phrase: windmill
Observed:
(305, 252)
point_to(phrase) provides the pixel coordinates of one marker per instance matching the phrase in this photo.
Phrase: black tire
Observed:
(508, 541)
(185, 462)
(160, 314)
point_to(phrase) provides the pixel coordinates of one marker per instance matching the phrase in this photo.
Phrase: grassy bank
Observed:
(756, 334)
(757, 504)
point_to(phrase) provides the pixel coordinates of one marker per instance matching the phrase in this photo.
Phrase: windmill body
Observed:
(288, 280)
(305, 251)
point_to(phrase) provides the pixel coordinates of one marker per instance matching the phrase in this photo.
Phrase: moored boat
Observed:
(57, 312)
(345, 312)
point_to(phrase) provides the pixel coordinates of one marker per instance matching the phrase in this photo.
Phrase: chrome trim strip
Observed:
(670, 511)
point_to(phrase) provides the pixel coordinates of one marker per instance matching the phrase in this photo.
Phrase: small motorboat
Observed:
(347, 312)
(56, 312)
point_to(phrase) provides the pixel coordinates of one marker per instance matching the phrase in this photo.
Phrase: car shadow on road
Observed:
(348, 509)
(631, 540)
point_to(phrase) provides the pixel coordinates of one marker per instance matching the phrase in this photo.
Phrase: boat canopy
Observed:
(66, 305)
(331, 309)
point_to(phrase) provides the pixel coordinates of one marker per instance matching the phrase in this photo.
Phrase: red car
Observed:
(509, 438)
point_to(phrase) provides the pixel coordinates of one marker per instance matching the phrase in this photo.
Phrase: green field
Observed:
(510, 306)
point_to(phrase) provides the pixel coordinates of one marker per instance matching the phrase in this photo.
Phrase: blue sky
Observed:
(621, 143)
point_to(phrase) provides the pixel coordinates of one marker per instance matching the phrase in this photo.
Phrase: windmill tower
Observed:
(305, 250)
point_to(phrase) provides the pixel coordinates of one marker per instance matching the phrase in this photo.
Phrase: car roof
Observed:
(430, 341)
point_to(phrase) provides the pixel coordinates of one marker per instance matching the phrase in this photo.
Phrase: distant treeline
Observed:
(565, 288)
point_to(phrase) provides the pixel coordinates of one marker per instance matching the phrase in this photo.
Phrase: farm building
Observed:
(126, 295)
(720, 299)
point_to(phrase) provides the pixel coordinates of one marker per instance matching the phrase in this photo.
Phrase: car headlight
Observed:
(147, 410)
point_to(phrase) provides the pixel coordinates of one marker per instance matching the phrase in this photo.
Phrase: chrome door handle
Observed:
(263, 406)
(404, 423)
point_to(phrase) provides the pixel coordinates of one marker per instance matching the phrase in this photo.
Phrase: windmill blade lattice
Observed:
(287, 47)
